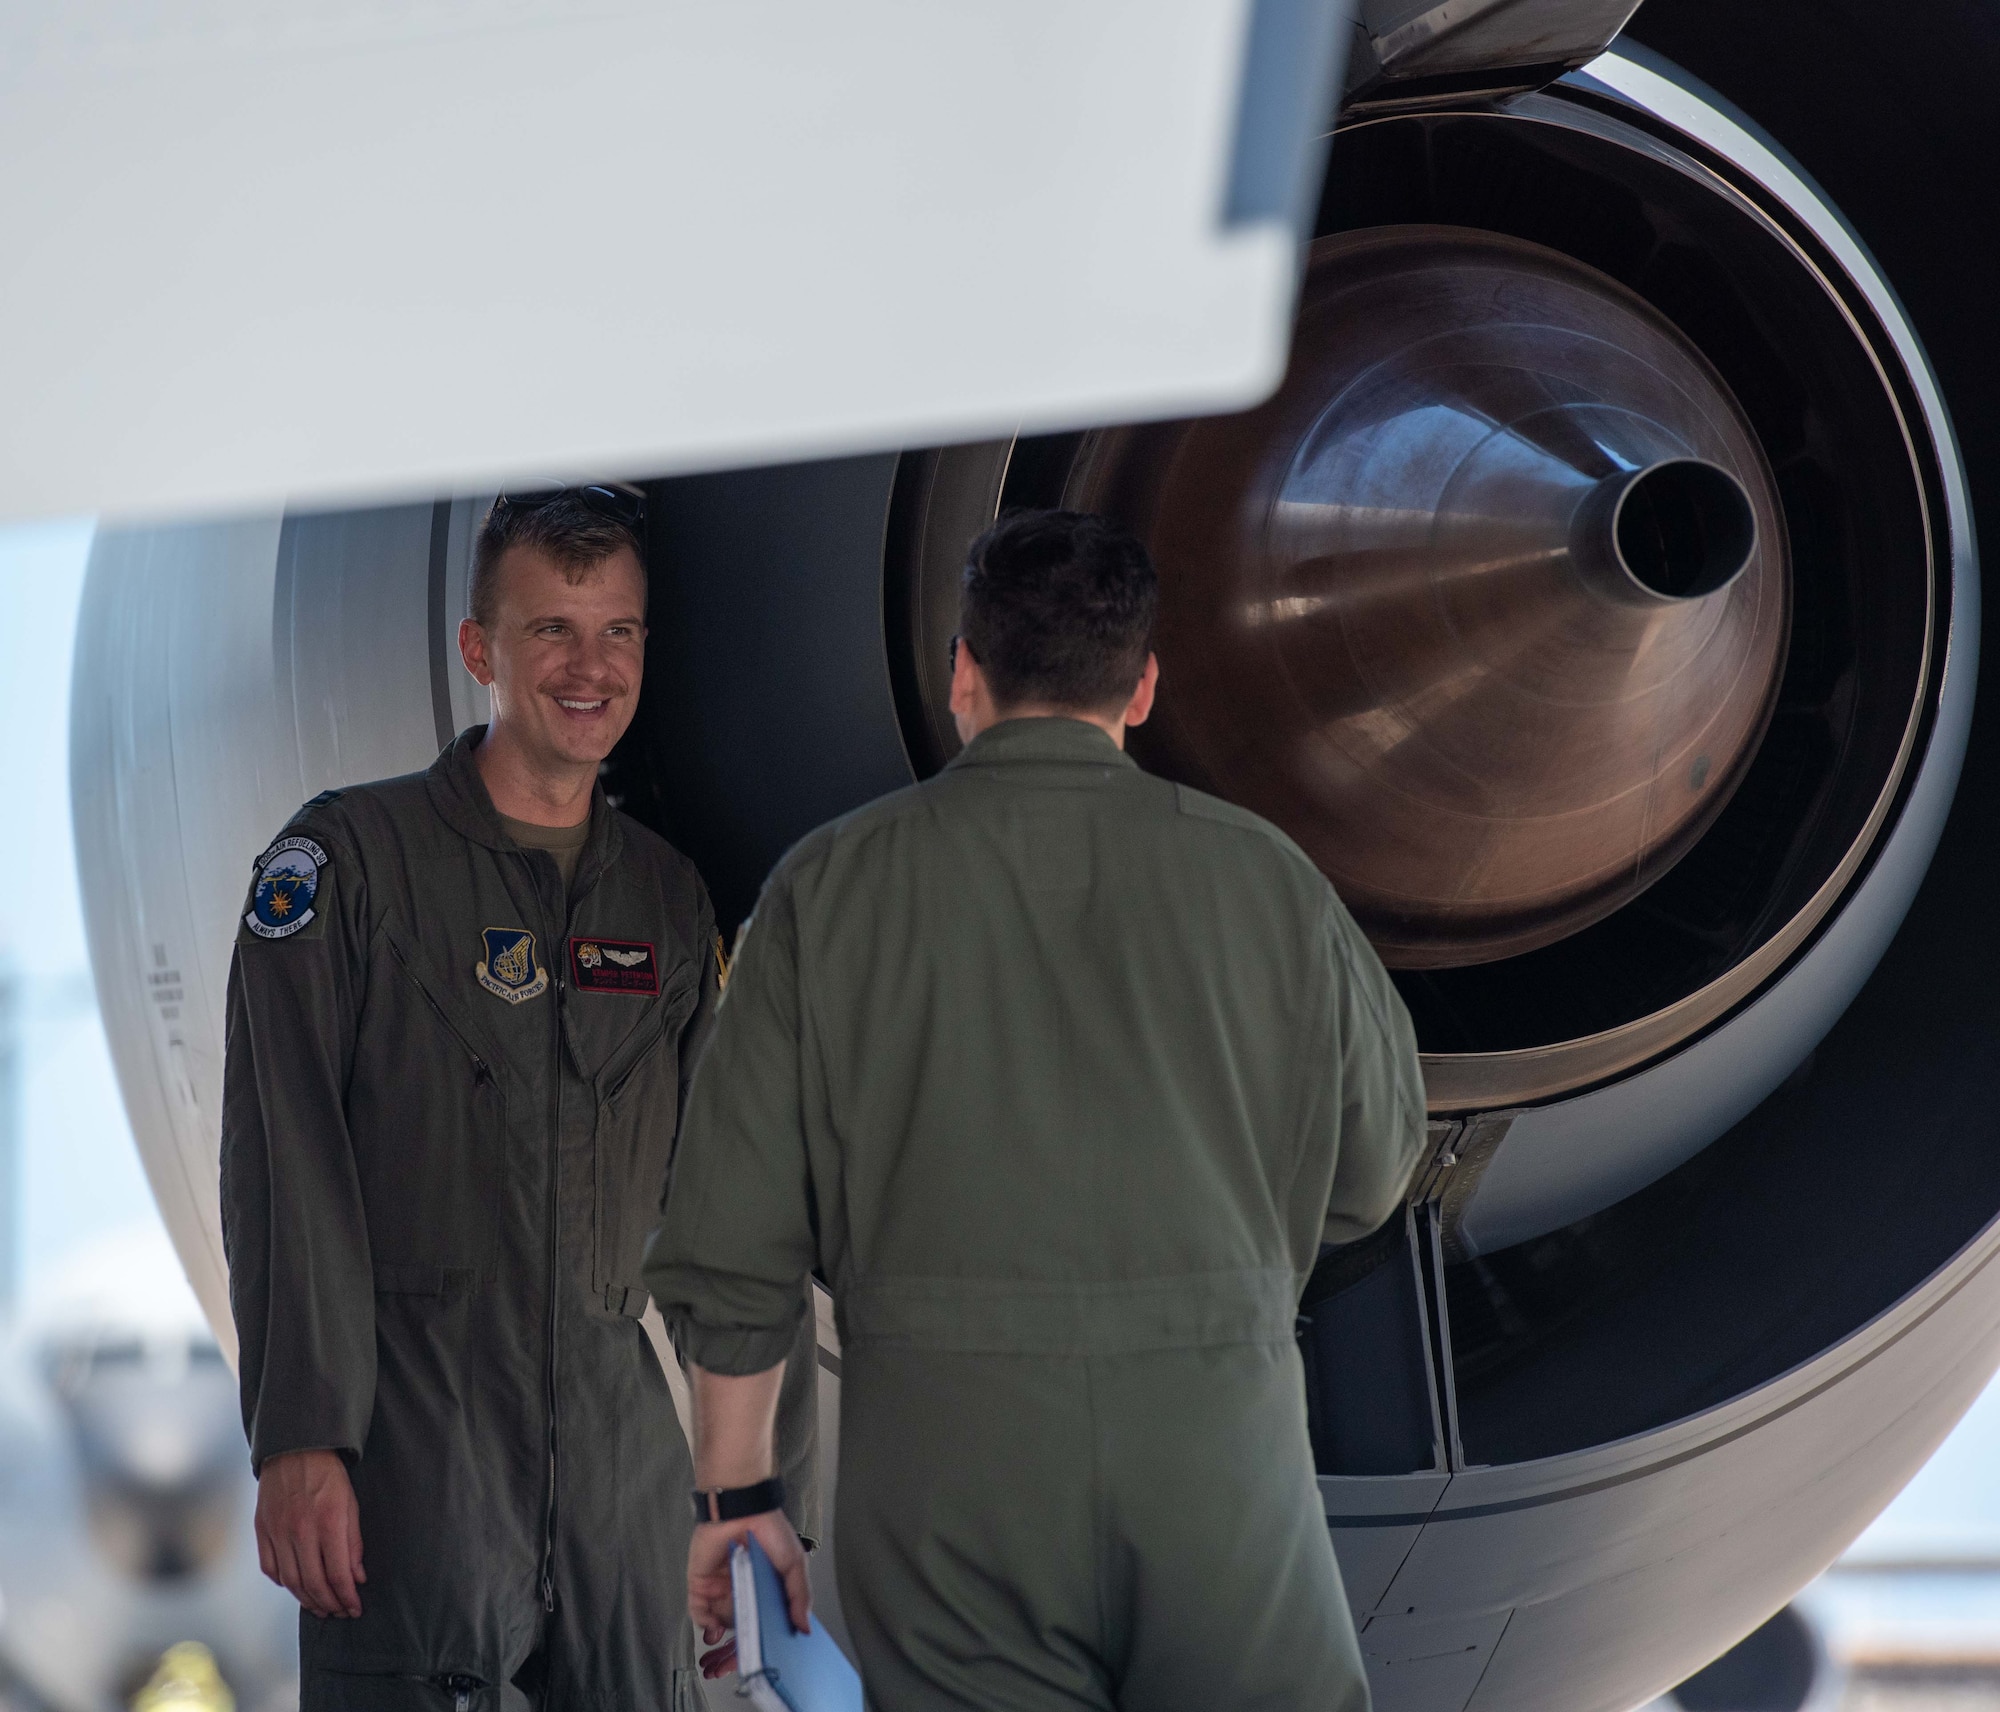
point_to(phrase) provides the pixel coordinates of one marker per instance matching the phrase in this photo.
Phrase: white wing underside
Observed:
(832, 230)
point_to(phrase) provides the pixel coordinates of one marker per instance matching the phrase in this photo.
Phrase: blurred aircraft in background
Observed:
(128, 1571)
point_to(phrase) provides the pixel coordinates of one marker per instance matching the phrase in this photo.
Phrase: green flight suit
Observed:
(1060, 1074)
(451, 1090)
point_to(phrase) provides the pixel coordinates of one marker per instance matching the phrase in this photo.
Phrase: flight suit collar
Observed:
(1040, 741)
(459, 794)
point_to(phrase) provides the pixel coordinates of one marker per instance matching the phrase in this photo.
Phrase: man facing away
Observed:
(463, 1012)
(1061, 1074)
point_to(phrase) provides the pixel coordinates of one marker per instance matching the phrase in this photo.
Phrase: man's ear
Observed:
(472, 650)
(1139, 709)
(966, 681)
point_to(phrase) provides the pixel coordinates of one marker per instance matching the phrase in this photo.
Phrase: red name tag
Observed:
(614, 966)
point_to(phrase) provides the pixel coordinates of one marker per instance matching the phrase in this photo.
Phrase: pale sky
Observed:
(80, 1179)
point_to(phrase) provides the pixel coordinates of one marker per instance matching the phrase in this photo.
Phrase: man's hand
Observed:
(710, 1601)
(734, 1416)
(309, 1531)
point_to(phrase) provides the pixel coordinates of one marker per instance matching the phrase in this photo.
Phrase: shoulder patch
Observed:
(288, 880)
(726, 961)
(324, 798)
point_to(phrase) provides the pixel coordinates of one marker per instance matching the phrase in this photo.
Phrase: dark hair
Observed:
(566, 526)
(1057, 608)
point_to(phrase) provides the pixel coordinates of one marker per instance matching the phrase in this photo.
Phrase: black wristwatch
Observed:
(731, 1503)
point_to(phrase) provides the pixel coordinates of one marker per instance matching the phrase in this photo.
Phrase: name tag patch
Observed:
(625, 966)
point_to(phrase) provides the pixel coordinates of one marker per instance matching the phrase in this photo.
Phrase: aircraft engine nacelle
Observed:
(1595, 601)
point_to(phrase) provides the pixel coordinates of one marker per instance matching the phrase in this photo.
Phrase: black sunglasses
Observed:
(958, 642)
(612, 502)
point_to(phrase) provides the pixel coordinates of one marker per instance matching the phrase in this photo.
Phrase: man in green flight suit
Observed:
(463, 1013)
(1061, 1075)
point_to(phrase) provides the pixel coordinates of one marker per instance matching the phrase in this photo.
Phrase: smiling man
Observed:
(463, 1013)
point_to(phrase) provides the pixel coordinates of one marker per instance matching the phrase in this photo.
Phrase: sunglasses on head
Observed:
(612, 502)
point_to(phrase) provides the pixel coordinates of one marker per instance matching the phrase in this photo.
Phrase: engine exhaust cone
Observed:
(1679, 530)
(1487, 607)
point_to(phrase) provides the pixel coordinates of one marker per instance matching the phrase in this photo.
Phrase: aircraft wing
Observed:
(325, 250)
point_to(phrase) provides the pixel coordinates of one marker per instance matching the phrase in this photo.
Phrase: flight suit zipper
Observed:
(558, 946)
(481, 1070)
(461, 1689)
(561, 967)
(555, 1286)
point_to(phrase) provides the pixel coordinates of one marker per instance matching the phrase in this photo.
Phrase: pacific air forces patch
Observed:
(288, 878)
(509, 970)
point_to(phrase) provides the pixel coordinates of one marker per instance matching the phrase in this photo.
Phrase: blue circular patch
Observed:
(287, 882)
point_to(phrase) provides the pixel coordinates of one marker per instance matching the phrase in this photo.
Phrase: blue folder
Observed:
(780, 1669)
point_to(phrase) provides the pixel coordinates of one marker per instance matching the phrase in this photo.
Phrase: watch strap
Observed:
(732, 1503)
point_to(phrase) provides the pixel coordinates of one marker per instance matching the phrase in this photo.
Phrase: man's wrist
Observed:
(733, 1503)
(271, 1459)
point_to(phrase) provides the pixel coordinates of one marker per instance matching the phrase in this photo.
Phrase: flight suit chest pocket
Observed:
(428, 1121)
(638, 1112)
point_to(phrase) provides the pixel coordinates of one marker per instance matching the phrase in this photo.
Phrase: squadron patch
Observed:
(615, 966)
(288, 874)
(509, 969)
